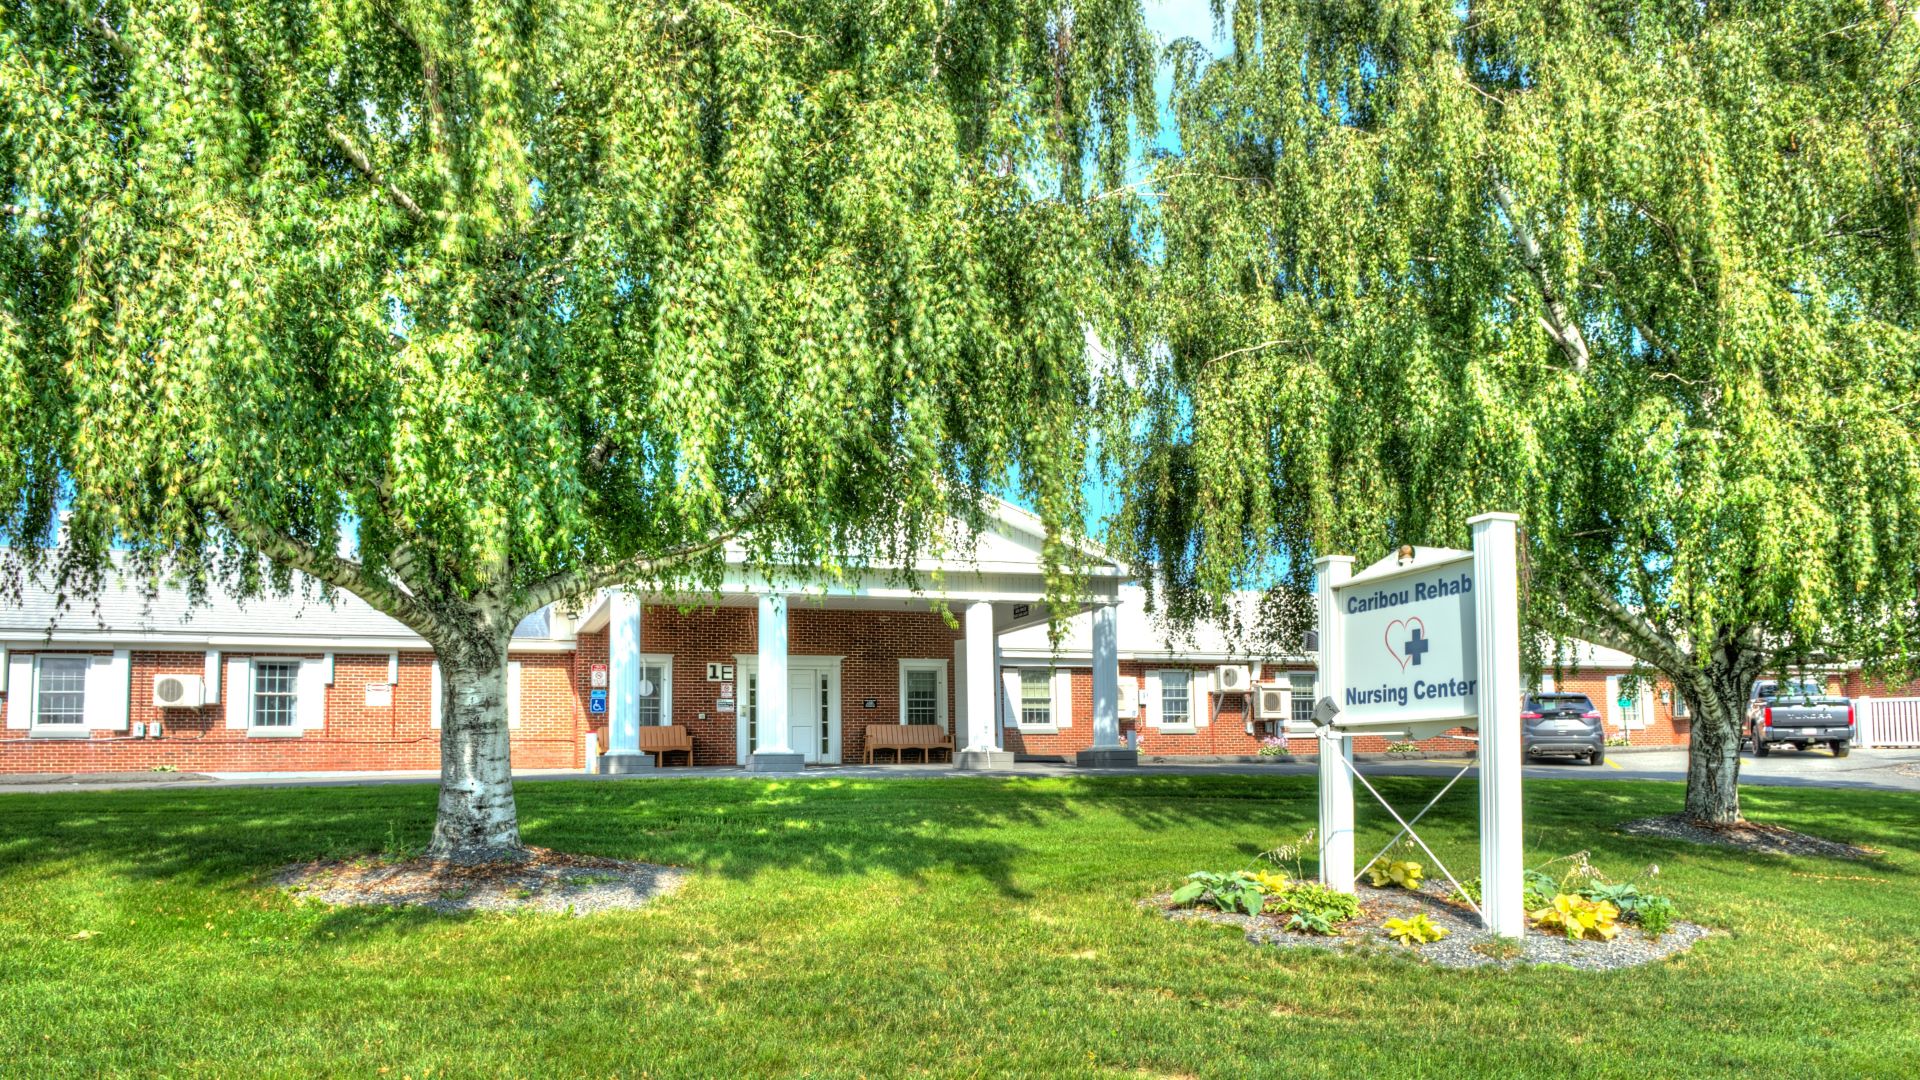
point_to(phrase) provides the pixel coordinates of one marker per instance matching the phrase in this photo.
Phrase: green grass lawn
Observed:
(904, 927)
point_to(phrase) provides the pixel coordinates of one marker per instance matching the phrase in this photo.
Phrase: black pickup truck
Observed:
(1797, 712)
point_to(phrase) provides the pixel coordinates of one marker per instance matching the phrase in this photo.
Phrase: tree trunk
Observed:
(478, 821)
(1718, 701)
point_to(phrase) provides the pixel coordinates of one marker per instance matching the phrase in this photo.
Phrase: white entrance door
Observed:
(813, 714)
(805, 721)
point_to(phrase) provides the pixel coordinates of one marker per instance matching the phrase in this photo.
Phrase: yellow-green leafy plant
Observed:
(1579, 918)
(1404, 873)
(1418, 930)
(1314, 908)
(1271, 883)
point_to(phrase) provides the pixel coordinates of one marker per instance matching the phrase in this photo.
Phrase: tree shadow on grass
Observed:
(237, 838)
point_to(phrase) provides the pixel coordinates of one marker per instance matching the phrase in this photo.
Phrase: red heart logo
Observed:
(1406, 625)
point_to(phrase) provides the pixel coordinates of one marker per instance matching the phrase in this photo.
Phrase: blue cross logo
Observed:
(1417, 646)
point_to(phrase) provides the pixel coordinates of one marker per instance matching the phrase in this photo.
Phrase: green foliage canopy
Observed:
(543, 296)
(1646, 273)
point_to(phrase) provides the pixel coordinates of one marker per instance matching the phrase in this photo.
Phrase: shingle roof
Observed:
(124, 608)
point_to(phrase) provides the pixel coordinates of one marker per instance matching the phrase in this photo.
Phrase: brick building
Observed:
(129, 681)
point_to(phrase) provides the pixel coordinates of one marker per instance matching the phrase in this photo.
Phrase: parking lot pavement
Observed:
(1893, 770)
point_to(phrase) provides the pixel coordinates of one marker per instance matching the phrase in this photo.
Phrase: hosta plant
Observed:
(1579, 918)
(1418, 930)
(1306, 922)
(1652, 911)
(1538, 889)
(1315, 908)
(1655, 915)
(1404, 873)
(1237, 891)
(1271, 883)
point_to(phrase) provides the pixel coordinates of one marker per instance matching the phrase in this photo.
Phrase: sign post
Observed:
(1336, 789)
(1420, 643)
(1496, 568)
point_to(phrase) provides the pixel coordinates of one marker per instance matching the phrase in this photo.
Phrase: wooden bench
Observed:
(661, 741)
(900, 738)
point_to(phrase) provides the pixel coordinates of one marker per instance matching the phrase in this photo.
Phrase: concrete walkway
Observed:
(1889, 770)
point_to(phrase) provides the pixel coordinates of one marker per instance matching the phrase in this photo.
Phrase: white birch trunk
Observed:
(478, 821)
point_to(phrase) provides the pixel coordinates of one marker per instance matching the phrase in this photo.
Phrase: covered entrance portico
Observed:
(864, 649)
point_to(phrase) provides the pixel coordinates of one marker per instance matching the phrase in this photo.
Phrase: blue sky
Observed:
(1170, 20)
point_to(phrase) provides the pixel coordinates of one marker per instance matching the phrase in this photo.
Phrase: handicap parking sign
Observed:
(597, 701)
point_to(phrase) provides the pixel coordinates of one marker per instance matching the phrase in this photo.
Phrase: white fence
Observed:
(1887, 722)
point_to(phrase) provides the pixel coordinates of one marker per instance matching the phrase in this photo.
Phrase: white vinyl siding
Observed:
(55, 695)
(1176, 699)
(277, 696)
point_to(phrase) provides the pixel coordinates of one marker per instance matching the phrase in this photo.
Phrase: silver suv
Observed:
(1562, 725)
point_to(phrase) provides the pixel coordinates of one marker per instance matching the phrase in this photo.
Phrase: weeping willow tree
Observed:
(1646, 273)
(534, 299)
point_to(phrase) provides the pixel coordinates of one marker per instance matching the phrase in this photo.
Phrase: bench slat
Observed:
(925, 738)
(660, 741)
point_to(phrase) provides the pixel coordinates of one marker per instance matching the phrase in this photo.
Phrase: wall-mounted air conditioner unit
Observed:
(1274, 702)
(1232, 679)
(179, 692)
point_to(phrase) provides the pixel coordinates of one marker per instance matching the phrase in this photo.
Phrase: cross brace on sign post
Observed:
(1406, 829)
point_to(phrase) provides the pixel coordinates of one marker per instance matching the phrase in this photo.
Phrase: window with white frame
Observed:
(276, 694)
(653, 677)
(1176, 697)
(923, 692)
(1036, 697)
(61, 697)
(826, 717)
(1302, 715)
(923, 700)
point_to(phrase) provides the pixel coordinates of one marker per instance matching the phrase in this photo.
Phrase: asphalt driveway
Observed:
(1891, 770)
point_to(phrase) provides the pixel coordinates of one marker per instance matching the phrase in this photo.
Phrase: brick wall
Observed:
(870, 643)
(1855, 685)
(555, 690)
(1662, 728)
(355, 735)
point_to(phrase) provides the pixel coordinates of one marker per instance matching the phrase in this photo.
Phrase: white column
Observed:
(1336, 784)
(982, 673)
(1106, 677)
(771, 725)
(1496, 584)
(623, 673)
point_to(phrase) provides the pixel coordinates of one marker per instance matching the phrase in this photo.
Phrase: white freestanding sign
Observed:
(1410, 641)
(1415, 645)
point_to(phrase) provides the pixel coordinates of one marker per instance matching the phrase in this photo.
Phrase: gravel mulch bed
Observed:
(1746, 835)
(1467, 944)
(549, 881)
